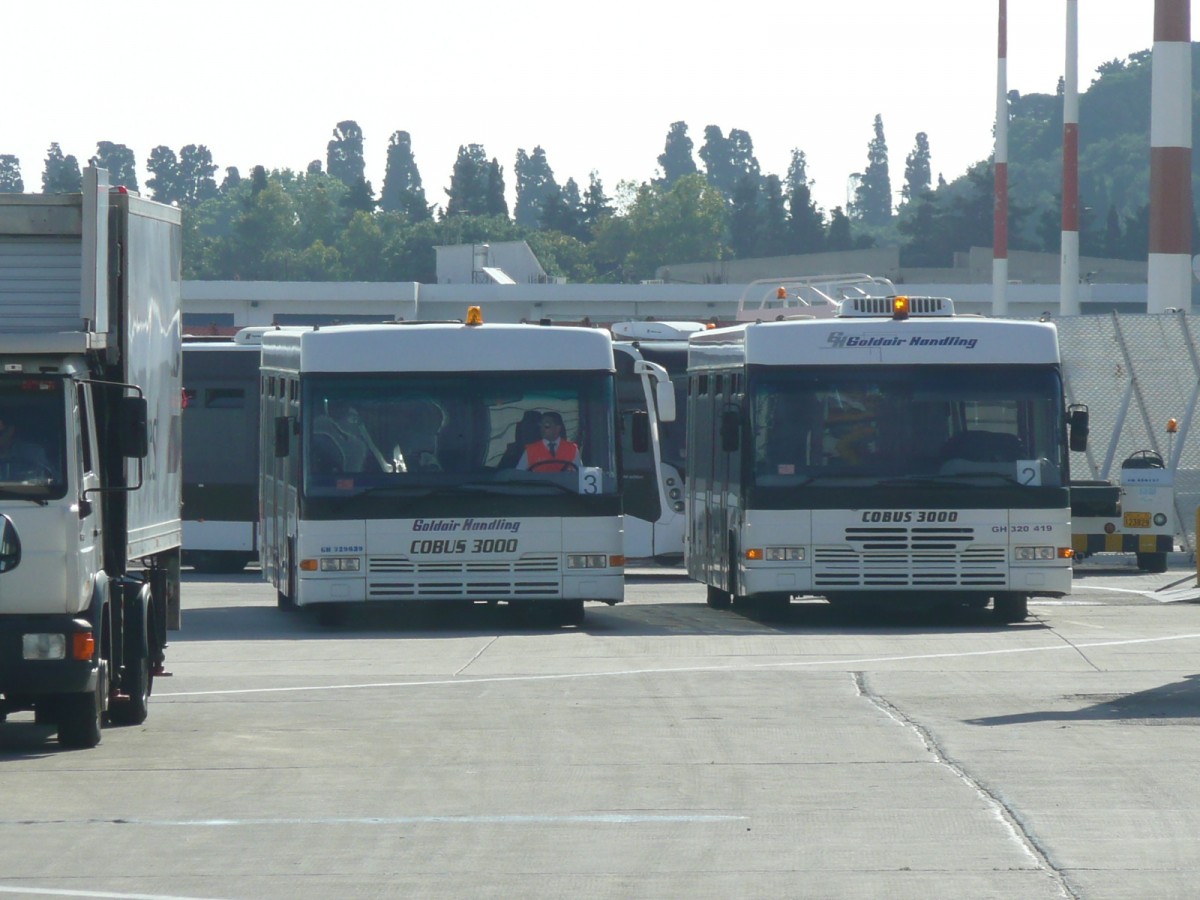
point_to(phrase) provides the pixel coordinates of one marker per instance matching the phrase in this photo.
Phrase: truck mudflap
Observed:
(21, 677)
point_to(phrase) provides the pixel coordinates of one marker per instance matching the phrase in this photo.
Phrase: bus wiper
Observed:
(935, 480)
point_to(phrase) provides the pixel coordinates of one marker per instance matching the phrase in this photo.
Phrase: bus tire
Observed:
(1152, 562)
(1010, 607)
(717, 598)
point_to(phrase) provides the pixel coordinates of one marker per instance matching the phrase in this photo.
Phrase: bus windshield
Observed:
(978, 425)
(515, 432)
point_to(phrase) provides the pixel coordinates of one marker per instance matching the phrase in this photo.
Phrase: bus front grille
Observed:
(404, 565)
(429, 589)
(903, 557)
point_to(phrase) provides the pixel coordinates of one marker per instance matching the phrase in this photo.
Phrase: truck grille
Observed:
(902, 557)
(530, 576)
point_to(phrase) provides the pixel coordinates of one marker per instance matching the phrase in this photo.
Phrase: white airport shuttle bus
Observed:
(894, 455)
(407, 462)
(651, 359)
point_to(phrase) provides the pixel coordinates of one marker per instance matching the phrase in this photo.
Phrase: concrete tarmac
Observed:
(662, 749)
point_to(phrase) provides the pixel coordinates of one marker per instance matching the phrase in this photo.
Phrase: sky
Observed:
(597, 87)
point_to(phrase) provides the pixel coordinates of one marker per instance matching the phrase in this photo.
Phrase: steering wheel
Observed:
(562, 463)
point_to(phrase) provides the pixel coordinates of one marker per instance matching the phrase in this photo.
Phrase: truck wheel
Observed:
(1010, 607)
(1152, 562)
(717, 598)
(133, 707)
(80, 715)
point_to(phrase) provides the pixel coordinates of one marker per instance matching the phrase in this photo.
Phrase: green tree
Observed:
(535, 185)
(344, 161)
(120, 163)
(873, 196)
(839, 236)
(682, 223)
(196, 170)
(232, 179)
(402, 190)
(806, 223)
(917, 173)
(563, 211)
(468, 194)
(10, 175)
(729, 160)
(61, 174)
(497, 205)
(676, 159)
(164, 182)
(596, 205)
(773, 232)
(745, 218)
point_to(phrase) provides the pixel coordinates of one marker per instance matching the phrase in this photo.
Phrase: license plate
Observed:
(1137, 520)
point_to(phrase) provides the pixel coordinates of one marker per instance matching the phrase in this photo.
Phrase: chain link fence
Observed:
(1135, 373)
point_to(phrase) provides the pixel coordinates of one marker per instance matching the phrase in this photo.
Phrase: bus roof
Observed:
(883, 341)
(438, 347)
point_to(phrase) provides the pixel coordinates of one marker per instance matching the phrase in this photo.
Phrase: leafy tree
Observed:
(917, 173)
(676, 159)
(1113, 234)
(119, 162)
(360, 248)
(873, 196)
(496, 204)
(806, 223)
(10, 175)
(196, 169)
(468, 193)
(563, 211)
(682, 223)
(773, 231)
(165, 183)
(61, 174)
(745, 218)
(344, 161)
(561, 254)
(839, 237)
(535, 185)
(729, 160)
(402, 190)
(232, 179)
(596, 205)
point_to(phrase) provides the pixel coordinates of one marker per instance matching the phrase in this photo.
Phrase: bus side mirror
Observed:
(1077, 426)
(730, 431)
(282, 436)
(10, 545)
(639, 430)
(135, 433)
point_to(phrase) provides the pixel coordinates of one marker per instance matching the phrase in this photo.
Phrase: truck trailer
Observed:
(90, 453)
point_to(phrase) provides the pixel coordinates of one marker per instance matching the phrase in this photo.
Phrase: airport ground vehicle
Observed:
(396, 465)
(90, 376)
(1136, 514)
(220, 452)
(651, 359)
(895, 455)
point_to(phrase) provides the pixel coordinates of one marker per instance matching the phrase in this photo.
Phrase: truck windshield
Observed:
(979, 425)
(32, 437)
(541, 432)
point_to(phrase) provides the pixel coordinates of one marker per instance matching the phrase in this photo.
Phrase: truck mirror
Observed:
(639, 430)
(10, 545)
(1077, 424)
(135, 432)
(730, 431)
(282, 436)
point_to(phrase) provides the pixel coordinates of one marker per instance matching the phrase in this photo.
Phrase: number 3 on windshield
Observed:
(589, 480)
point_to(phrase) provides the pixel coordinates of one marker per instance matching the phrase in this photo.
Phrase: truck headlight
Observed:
(340, 564)
(43, 646)
(784, 553)
(1024, 554)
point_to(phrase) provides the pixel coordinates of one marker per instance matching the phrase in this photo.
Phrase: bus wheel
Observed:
(1010, 607)
(718, 599)
(568, 612)
(1152, 562)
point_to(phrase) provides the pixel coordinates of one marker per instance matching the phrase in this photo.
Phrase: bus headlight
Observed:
(1024, 554)
(784, 553)
(587, 561)
(340, 564)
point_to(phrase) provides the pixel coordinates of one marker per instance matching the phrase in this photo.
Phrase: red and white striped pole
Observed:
(1069, 269)
(1000, 167)
(1169, 271)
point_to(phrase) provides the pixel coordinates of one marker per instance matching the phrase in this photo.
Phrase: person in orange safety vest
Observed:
(553, 453)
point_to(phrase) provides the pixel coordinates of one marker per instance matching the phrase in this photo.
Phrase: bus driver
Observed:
(553, 453)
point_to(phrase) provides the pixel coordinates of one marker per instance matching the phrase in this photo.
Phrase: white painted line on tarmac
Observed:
(1174, 596)
(541, 819)
(736, 667)
(62, 892)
